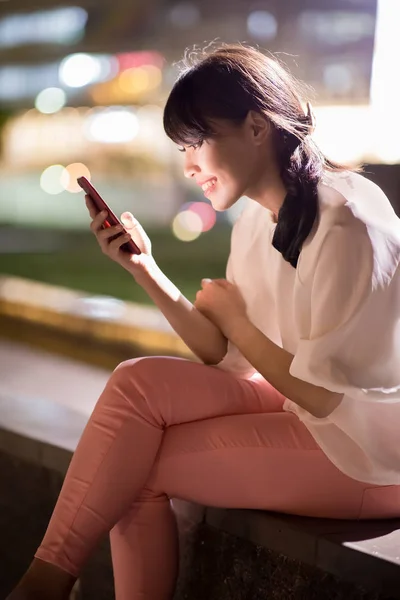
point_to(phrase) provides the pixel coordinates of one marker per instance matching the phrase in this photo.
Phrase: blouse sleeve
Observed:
(353, 343)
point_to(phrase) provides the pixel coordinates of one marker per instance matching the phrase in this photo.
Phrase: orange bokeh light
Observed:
(71, 174)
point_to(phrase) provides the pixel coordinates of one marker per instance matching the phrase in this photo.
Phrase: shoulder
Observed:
(349, 198)
(357, 231)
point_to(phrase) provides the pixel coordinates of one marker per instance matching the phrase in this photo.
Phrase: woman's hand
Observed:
(222, 303)
(136, 264)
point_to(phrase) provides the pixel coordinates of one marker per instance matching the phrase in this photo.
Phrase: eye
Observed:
(194, 146)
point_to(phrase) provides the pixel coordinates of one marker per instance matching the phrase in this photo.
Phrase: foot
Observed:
(43, 581)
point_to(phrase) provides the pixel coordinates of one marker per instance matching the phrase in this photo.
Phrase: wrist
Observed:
(146, 272)
(238, 329)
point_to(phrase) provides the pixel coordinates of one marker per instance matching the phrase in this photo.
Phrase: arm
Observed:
(273, 363)
(201, 335)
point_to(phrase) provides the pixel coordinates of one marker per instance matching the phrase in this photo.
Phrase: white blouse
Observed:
(338, 313)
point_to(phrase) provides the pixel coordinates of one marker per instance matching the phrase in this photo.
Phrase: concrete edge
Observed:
(123, 327)
(36, 451)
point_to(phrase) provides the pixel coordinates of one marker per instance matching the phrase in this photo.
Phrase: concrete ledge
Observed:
(98, 329)
(361, 552)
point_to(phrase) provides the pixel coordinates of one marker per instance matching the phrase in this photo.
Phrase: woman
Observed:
(296, 404)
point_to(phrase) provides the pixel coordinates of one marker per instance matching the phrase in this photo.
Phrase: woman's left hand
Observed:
(222, 302)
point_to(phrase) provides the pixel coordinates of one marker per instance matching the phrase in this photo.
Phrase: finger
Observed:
(222, 282)
(98, 221)
(205, 282)
(115, 245)
(108, 232)
(90, 206)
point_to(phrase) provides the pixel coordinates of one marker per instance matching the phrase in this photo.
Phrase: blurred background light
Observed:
(78, 70)
(204, 210)
(336, 27)
(70, 174)
(112, 125)
(262, 24)
(184, 15)
(335, 121)
(385, 80)
(137, 80)
(50, 179)
(50, 100)
(127, 60)
(56, 26)
(18, 82)
(187, 226)
(338, 78)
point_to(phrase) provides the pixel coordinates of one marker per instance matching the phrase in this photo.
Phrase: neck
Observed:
(269, 191)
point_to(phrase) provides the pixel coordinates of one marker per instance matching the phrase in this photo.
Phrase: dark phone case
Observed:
(112, 219)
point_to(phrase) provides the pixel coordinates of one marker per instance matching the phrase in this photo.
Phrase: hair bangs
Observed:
(184, 119)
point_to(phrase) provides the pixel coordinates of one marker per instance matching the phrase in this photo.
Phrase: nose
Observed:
(190, 168)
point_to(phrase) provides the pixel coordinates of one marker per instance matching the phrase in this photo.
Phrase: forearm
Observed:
(201, 335)
(273, 363)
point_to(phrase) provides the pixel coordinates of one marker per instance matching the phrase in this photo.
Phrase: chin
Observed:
(223, 204)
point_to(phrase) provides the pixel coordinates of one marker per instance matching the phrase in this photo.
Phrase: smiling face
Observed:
(232, 163)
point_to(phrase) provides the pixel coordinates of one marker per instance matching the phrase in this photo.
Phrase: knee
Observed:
(134, 381)
(142, 374)
(128, 370)
(147, 366)
(145, 374)
(126, 366)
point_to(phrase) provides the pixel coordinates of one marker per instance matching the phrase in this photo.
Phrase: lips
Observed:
(203, 181)
(207, 183)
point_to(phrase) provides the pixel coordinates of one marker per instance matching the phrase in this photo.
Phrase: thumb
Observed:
(136, 230)
(128, 220)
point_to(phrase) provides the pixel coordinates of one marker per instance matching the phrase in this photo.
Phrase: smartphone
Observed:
(111, 219)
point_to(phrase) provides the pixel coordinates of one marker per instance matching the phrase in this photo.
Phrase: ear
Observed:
(259, 127)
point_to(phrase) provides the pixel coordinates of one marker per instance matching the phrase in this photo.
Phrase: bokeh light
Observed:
(64, 25)
(137, 80)
(112, 126)
(50, 100)
(184, 15)
(187, 226)
(71, 174)
(338, 78)
(262, 24)
(78, 70)
(205, 211)
(50, 179)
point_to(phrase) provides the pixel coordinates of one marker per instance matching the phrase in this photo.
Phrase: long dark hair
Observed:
(227, 83)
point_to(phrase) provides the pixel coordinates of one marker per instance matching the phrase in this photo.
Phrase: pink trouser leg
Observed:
(118, 447)
(166, 427)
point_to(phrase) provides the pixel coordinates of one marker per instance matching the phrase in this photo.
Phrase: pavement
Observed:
(34, 374)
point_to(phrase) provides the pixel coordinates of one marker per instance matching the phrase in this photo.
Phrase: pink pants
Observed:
(171, 428)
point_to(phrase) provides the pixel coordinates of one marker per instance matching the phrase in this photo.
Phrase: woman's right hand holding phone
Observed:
(136, 264)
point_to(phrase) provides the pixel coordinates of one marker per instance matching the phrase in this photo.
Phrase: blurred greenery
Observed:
(75, 260)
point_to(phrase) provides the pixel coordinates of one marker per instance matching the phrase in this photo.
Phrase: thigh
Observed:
(260, 461)
(174, 391)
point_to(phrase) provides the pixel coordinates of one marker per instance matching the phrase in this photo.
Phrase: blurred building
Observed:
(328, 43)
(82, 88)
